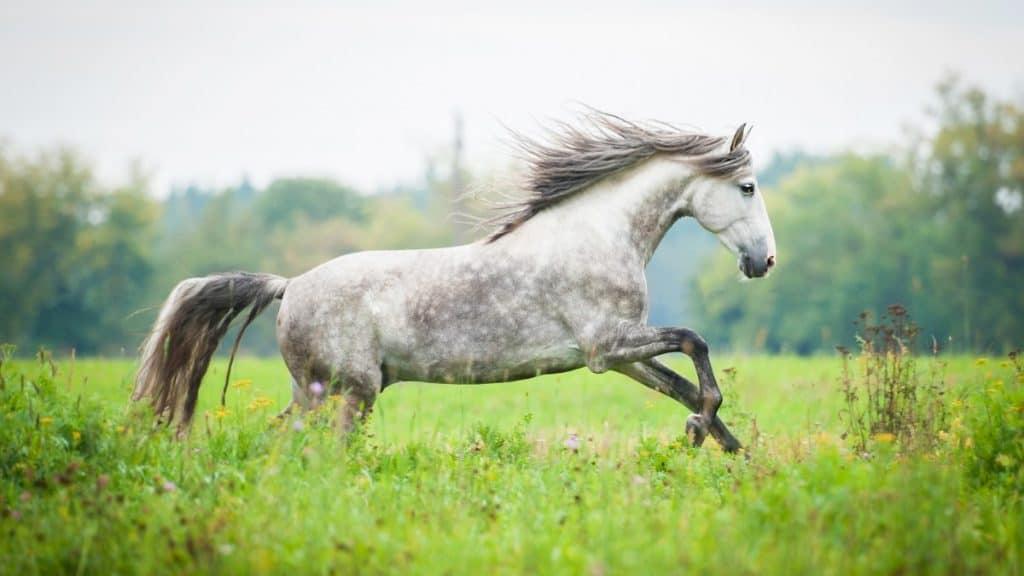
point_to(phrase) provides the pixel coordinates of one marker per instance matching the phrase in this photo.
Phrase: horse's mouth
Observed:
(755, 267)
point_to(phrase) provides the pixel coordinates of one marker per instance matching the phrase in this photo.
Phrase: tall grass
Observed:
(484, 480)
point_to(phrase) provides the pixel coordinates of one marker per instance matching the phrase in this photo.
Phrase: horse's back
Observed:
(449, 314)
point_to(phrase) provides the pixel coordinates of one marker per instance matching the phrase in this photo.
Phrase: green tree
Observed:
(972, 173)
(77, 262)
(942, 233)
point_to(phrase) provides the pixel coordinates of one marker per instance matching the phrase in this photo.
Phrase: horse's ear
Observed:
(739, 137)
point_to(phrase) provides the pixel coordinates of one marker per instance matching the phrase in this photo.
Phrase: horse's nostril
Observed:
(771, 261)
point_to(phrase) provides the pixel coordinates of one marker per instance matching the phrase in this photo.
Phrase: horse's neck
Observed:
(630, 212)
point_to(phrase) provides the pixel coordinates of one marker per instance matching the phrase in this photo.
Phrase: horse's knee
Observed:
(597, 365)
(693, 345)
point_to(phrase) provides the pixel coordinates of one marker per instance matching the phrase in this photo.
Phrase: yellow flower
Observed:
(221, 412)
(121, 429)
(981, 361)
(1004, 460)
(242, 384)
(76, 436)
(46, 420)
(884, 437)
(260, 402)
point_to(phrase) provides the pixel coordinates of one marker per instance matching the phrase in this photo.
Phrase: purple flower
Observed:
(317, 389)
(169, 486)
(297, 425)
(572, 442)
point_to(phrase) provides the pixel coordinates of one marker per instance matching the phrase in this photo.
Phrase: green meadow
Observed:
(574, 473)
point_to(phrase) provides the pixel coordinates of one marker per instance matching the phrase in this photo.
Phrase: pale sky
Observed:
(206, 91)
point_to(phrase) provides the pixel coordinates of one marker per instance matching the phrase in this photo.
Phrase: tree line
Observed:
(936, 225)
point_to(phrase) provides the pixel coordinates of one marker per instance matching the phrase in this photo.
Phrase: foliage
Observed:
(288, 202)
(991, 432)
(87, 267)
(86, 487)
(886, 398)
(941, 232)
(76, 262)
(937, 225)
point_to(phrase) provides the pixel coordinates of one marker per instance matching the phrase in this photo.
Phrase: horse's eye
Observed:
(747, 188)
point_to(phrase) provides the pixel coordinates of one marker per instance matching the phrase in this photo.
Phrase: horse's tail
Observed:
(185, 335)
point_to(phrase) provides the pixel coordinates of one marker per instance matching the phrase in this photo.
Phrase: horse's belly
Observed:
(481, 365)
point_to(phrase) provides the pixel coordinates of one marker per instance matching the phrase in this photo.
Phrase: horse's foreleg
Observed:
(657, 376)
(638, 343)
(295, 401)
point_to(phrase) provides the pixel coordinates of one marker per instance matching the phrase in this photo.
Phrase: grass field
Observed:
(471, 480)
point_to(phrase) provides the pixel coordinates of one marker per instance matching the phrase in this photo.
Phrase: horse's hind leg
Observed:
(355, 409)
(359, 392)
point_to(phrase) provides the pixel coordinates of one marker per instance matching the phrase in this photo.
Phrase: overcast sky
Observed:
(206, 91)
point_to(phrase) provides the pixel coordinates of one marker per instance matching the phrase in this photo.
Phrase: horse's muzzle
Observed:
(756, 266)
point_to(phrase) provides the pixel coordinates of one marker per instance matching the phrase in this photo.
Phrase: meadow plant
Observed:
(989, 432)
(885, 397)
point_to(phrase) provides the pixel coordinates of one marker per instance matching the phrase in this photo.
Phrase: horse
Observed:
(557, 285)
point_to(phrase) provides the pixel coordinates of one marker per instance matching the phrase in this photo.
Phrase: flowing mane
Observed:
(573, 158)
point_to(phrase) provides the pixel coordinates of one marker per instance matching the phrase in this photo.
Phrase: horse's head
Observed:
(728, 202)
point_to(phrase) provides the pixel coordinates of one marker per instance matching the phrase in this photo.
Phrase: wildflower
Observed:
(221, 412)
(1004, 460)
(121, 429)
(101, 481)
(169, 486)
(260, 402)
(884, 437)
(297, 426)
(316, 389)
(76, 436)
(46, 420)
(572, 442)
(239, 384)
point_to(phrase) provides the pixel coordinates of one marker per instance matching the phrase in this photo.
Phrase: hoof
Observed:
(696, 430)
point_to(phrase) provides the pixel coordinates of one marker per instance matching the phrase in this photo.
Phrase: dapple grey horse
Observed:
(558, 285)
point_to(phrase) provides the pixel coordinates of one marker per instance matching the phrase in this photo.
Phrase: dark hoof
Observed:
(696, 430)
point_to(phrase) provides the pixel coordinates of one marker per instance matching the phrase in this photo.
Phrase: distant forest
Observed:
(935, 224)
